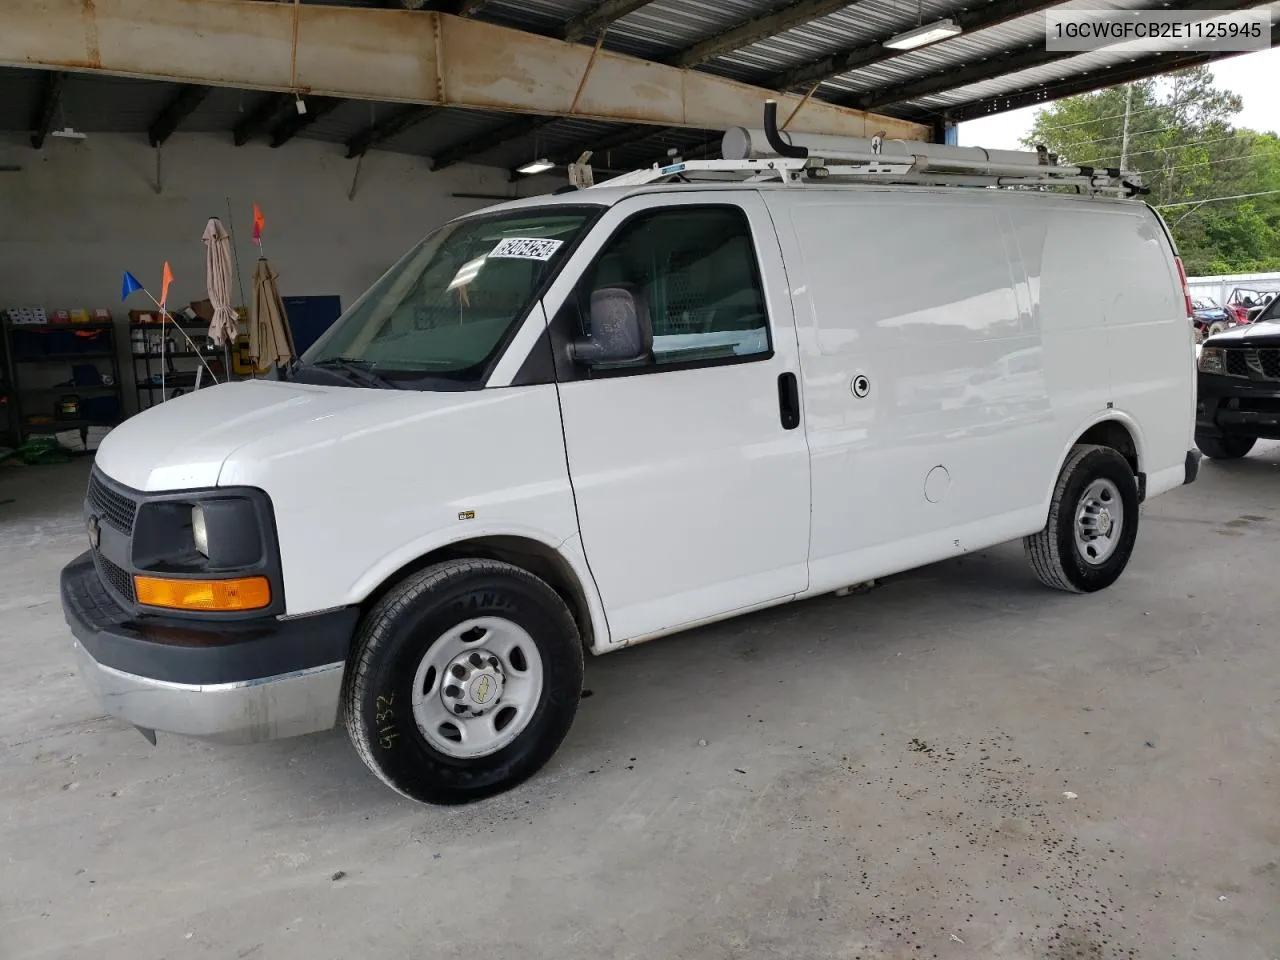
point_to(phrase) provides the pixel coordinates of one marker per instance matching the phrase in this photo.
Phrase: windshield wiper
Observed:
(358, 371)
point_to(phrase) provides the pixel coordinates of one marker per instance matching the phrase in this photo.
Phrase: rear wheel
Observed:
(465, 679)
(1093, 523)
(1225, 448)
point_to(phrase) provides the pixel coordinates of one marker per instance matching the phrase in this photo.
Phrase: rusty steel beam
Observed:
(393, 55)
(50, 96)
(756, 29)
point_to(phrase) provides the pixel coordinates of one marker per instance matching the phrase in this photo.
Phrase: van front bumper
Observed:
(232, 682)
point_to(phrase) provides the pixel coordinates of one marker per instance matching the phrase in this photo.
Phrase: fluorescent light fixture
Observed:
(66, 133)
(929, 33)
(536, 166)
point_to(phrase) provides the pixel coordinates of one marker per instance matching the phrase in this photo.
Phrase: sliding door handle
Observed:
(789, 401)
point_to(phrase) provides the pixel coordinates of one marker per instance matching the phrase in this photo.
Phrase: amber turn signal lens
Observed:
(249, 593)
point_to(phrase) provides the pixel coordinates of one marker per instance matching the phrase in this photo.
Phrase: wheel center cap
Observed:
(484, 689)
(473, 684)
(1104, 522)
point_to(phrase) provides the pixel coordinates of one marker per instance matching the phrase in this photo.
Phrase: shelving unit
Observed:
(36, 354)
(150, 390)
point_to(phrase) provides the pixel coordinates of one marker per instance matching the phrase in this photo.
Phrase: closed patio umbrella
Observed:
(270, 340)
(217, 242)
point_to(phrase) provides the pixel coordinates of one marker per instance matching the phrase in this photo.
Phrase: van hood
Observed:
(186, 442)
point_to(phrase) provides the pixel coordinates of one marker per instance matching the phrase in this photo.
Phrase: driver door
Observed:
(690, 468)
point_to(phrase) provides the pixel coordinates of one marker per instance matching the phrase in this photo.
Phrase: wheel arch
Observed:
(565, 574)
(1114, 429)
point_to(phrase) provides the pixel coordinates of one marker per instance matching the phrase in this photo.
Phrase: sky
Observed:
(1254, 76)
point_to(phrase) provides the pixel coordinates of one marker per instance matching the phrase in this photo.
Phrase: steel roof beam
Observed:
(623, 136)
(757, 29)
(50, 97)
(260, 118)
(294, 123)
(1101, 78)
(486, 141)
(846, 61)
(386, 128)
(390, 55)
(181, 106)
(1013, 61)
(594, 19)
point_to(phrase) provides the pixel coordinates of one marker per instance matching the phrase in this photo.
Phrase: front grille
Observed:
(1259, 364)
(113, 507)
(114, 577)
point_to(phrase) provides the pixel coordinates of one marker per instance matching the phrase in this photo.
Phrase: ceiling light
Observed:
(67, 133)
(929, 33)
(536, 166)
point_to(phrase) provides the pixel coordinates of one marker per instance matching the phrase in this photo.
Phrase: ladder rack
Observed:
(769, 155)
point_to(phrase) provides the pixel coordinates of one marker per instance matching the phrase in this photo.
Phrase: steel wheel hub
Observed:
(1099, 521)
(477, 687)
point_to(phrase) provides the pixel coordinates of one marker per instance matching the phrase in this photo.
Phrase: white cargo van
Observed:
(582, 421)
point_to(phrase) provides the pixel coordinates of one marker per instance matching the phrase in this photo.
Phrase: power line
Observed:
(1196, 203)
(1117, 116)
(1176, 146)
(1210, 163)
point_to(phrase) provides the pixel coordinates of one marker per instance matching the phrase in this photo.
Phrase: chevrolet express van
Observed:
(582, 421)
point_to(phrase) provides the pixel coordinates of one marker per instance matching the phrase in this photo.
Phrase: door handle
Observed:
(789, 400)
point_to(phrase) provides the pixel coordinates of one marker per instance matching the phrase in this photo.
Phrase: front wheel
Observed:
(1218, 327)
(465, 679)
(1225, 448)
(1093, 523)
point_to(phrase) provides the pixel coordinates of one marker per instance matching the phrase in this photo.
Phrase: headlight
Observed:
(1213, 360)
(198, 529)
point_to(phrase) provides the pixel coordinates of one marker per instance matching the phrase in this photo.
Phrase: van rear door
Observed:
(690, 470)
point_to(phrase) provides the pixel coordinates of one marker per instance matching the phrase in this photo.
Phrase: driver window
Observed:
(695, 268)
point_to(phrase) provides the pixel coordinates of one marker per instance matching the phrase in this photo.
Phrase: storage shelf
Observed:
(65, 357)
(177, 355)
(45, 327)
(72, 389)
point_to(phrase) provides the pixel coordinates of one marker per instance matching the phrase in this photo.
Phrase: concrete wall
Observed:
(79, 213)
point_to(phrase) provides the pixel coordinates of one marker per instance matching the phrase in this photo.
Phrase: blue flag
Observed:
(128, 285)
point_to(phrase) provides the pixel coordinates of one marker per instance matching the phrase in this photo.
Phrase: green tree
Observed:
(1182, 142)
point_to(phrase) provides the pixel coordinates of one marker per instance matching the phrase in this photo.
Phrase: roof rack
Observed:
(765, 155)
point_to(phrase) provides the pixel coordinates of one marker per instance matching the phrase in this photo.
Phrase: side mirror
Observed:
(620, 328)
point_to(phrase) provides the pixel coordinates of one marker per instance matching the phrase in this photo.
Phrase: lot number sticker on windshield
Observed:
(525, 248)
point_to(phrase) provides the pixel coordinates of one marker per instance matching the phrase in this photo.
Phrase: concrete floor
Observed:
(883, 776)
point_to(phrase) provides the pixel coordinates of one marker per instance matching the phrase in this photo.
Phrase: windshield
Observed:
(444, 311)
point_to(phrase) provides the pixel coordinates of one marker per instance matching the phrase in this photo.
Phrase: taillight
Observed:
(1186, 291)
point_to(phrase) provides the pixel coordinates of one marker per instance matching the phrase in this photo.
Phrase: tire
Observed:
(475, 607)
(1225, 448)
(1217, 327)
(1055, 552)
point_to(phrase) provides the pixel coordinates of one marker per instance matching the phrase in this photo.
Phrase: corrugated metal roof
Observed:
(657, 31)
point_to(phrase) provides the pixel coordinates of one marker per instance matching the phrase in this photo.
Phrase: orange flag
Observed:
(166, 278)
(259, 222)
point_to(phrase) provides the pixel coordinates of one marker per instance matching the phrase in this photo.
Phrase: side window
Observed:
(695, 269)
